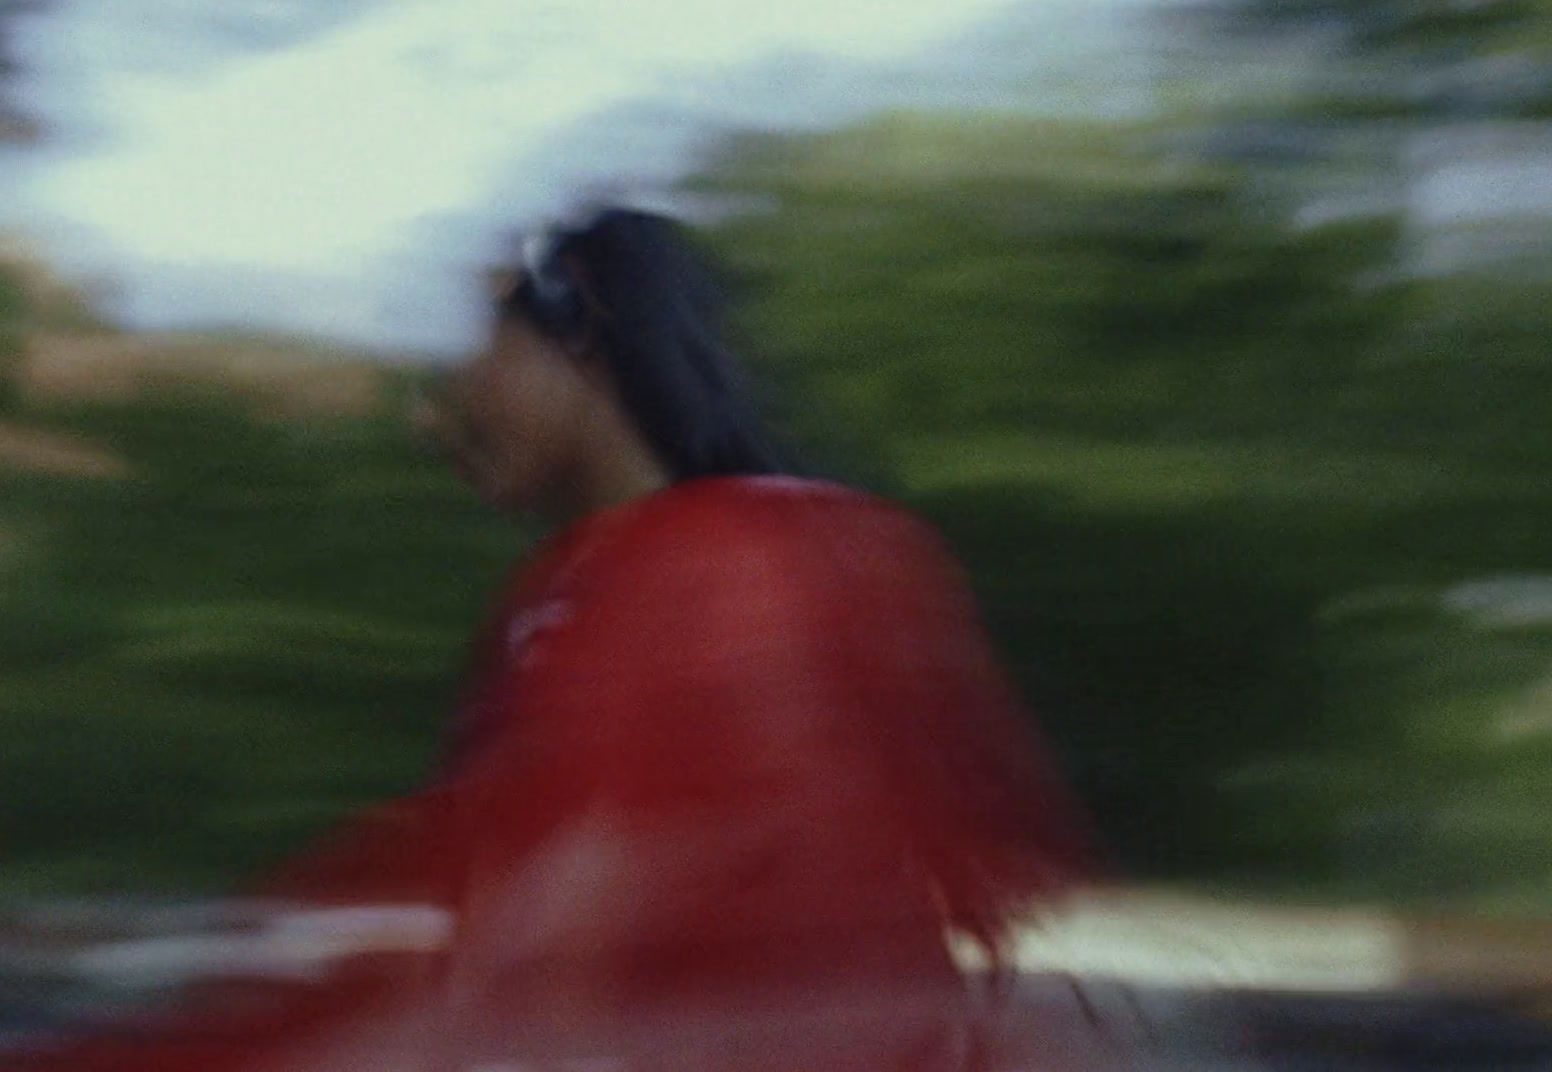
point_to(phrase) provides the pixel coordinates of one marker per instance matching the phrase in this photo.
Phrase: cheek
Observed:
(527, 421)
(472, 424)
(523, 410)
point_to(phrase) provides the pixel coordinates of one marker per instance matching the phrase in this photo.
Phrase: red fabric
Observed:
(730, 759)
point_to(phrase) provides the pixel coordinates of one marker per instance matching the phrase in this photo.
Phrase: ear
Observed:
(501, 282)
(582, 347)
(588, 358)
(595, 370)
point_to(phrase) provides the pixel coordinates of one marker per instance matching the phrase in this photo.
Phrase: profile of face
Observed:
(515, 420)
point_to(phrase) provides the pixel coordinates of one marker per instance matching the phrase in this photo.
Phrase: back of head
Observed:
(636, 281)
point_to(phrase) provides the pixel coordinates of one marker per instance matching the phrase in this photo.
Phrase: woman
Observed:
(734, 755)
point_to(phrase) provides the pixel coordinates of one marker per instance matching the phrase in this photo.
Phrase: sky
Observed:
(343, 170)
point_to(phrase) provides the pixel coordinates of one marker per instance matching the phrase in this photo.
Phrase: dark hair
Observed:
(658, 313)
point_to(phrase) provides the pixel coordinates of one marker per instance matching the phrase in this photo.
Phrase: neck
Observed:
(621, 481)
(617, 469)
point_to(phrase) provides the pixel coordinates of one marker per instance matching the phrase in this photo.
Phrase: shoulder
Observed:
(750, 513)
(735, 534)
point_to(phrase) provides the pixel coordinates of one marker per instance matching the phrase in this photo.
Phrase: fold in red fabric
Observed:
(730, 761)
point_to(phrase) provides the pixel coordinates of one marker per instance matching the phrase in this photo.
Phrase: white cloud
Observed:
(327, 157)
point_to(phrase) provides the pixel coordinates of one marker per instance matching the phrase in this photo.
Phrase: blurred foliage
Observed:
(15, 124)
(1179, 438)
(1401, 29)
(253, 633)
(13, 312)
(1229, 473)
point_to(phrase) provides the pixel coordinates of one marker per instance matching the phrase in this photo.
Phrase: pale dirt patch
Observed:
(33, 450)
(72, 367)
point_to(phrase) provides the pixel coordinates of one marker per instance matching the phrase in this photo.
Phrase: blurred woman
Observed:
(734, 760)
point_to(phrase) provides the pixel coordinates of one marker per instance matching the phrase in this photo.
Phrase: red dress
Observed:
(731, 759)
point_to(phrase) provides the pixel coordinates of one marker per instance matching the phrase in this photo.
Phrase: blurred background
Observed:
(1212, 334)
